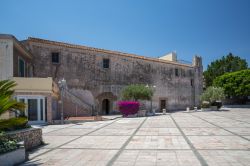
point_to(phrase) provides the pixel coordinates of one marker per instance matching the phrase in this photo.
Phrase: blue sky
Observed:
(210, 28)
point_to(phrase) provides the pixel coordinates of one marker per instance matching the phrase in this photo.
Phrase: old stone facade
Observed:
(96, 76)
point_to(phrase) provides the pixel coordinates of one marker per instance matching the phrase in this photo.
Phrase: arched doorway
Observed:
(106, 106)
(105, 103)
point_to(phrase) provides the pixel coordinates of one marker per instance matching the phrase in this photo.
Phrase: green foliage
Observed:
(235, 84)
(6, 100)
(13, 124)
(230, 63)
(136, 92)
(213, 94)
(7, 144)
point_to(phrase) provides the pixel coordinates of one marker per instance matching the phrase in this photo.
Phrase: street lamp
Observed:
(62, 86)
(152, 87)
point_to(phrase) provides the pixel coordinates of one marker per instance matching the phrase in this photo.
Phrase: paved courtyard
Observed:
(188, 139)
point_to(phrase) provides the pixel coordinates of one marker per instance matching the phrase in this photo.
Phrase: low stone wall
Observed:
(32, 137)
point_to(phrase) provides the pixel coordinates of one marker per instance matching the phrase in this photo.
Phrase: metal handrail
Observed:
(79, 99)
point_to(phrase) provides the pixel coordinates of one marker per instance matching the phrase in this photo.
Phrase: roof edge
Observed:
(17, 42)
(32, 39)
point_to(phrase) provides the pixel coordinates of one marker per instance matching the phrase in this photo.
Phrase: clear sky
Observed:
(210, 28)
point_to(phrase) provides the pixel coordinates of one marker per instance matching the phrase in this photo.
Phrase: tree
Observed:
(136, 92)
(213, 94)
(230, 63)
(6, 100)
(235, 84)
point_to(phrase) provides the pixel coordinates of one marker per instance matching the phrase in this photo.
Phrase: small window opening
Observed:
(106, 63)
(176, 72)
(55, 57)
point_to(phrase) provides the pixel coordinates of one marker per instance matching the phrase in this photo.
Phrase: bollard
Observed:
(164, 111)
(153, 112)
(187, 109)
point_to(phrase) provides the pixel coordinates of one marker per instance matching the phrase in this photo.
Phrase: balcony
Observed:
(33, 84)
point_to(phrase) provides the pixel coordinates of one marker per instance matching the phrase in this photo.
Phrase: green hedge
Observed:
(14, 124)
(235, 84)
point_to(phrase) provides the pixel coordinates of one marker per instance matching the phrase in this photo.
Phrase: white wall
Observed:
(6, 59)
(169, 57)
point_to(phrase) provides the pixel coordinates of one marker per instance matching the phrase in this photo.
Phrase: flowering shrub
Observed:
(128, 107)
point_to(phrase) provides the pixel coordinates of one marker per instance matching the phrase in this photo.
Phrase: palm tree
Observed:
(6, 100)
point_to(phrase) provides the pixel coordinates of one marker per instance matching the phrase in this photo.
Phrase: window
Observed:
(192, 82)
(176, 72)
(106, 63)
(55, 57)
(21, 67)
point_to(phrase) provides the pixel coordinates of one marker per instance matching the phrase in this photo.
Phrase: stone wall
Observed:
(32, 137)
(82, 67)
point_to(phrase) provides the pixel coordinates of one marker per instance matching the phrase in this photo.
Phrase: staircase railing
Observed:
(77, 100)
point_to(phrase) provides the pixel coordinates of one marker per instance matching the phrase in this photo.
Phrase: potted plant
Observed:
(212, 95)
(205, 106)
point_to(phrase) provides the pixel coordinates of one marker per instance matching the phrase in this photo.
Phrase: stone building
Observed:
(16, 63)
(95, 77)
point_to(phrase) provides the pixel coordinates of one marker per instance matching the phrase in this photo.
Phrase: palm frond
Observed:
(6, 100)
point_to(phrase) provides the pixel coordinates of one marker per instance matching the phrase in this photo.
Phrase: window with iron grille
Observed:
(105, 63)
(176, 72)
(55, 57)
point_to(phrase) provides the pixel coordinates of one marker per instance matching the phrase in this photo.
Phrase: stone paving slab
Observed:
(205, 131)
(114, 131)
(158, 124)
(232, 124)
(158, 131)
(102, 142)
(37, 152)
(70, 131)
(219, 142)
(196, 138)
(226, 157)
(70, 157)
(157, 158)
(92, 125)
(55, 141)
(58, 126)
(157, 142)
(240, 130)
(248, 137)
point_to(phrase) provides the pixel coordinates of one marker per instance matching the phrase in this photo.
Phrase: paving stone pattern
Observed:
(177, 139)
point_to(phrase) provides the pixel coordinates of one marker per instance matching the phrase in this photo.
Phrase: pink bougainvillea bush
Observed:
(128, 107)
